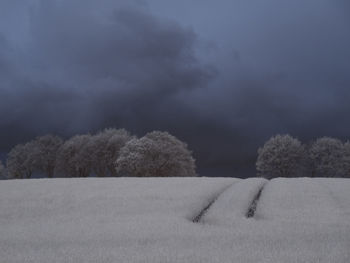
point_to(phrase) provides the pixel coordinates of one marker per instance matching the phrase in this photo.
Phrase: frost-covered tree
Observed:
(346, 160)
(74, 157)
(2, 171)
(45, 152)
(281, 156)
(156, 154)
(326, 156)
(21, 161)
(105, 147)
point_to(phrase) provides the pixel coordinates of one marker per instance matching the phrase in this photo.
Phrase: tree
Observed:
(327, 155)
(105, 147)
(20, 161)
(2, 170)
(346, 160)
(156, 154)
(74, 157)
(45, 153)
(281, 156)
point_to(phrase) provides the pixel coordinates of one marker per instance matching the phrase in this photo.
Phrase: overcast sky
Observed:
(223, 75)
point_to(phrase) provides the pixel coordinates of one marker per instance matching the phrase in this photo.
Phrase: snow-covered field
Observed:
(151, 220)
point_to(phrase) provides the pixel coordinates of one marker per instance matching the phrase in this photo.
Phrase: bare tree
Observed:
(45, 153)
(156, 154)
(105, 147)
(20, 161)
(74, 157)
(346, 160)
(2, 171)
(327, 156)
(281, 156)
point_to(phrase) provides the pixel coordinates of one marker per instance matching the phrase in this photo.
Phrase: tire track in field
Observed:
(199, 216)
(252, 208)
(236, 202)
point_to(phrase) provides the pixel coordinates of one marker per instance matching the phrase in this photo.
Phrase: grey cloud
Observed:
(81, 72)
(222, 75)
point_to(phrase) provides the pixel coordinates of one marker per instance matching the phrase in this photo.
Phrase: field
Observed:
(175, 220)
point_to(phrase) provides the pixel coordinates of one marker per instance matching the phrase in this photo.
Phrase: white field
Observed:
(150, 220)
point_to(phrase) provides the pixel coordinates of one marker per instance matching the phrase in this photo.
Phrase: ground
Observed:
(175, 220)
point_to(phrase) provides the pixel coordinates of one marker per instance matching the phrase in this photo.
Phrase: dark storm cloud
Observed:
(222, 75)
(284, 68)
(81, 71)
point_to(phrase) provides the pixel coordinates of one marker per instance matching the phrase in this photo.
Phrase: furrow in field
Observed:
(254, 204)
(233, 204)
(199, 216)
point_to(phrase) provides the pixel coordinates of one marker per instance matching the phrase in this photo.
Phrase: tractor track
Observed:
(252, 208)
(199, 216)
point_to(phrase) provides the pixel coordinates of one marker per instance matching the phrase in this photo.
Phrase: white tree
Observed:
(74, 157)
(20, 161)
(326, 155)
(156, 154)
(2, 170)
(45, 152)
(281, 156)
(346, 160)
(105, 147)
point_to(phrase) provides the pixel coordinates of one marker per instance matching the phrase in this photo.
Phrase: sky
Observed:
(223, 75)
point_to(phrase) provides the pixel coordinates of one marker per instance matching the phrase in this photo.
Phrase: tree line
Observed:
(285, 156)
(111, 152)
(115, 152)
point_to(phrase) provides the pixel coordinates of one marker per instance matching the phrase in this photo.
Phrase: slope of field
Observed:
(152, 220)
